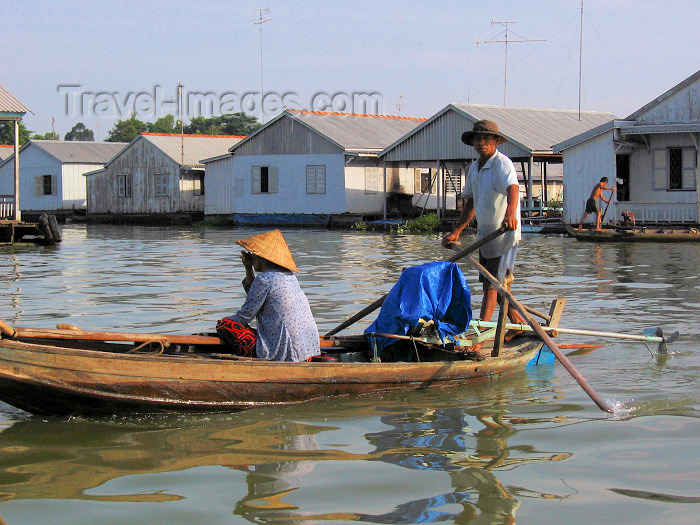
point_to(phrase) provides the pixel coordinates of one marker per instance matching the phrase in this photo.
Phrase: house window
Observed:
(674, 169)
(263, 179)
(422, 180)
(162, 184)
(315, 179)
(124, 185)
(45, 185)
(371, 180)
(198, 182)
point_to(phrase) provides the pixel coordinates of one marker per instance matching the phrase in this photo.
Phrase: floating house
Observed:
(11, 110)
(440, 160)
(157, 176)
(51, 174)
(305, 167)
(651, 157)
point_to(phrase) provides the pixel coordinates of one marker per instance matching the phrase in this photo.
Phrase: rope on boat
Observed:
(156, 352)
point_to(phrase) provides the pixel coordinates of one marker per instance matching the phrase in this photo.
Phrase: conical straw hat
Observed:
(270, 246)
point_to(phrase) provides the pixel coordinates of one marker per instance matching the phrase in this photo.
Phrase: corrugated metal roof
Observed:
(79, 152)
(537, 130)
(6, 151)
(529, 131)
(358, 132)
(196, 147)
(9, 104)
(74, 152)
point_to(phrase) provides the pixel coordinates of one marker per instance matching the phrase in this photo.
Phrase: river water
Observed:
(529, 448)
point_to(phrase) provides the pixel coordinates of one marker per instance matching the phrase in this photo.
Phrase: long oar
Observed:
(87, 335)
(606, 208)
(376, 304)
(655, 336)
(602, 404)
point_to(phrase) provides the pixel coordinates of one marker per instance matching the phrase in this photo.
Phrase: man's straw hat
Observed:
(270, 246)
(483, 127)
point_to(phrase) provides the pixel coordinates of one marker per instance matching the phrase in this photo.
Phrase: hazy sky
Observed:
(96, 62)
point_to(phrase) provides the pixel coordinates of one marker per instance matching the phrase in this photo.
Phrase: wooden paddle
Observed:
(546, 339)
(376, 304)
(87, 335)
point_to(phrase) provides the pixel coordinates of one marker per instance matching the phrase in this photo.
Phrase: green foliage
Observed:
(126, 130)
(50, 135)
(360, 226)
(228, 124)
(7, 133)
(425, 223)
(555, 203)
(80, 133)
(164, 124)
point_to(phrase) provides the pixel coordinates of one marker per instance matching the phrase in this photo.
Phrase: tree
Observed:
(7, 133)
(238, 124)
(49, 135)
(126, 130)
(228, 124)
(164, 124)
(81, 133)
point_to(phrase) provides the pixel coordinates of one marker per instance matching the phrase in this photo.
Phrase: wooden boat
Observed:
(73, 372)
(635, 235)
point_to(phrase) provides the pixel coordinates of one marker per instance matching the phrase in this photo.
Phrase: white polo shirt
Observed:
(488, 187)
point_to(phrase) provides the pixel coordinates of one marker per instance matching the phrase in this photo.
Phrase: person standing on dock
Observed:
(286, 330)
(492, 194)
(592, 203)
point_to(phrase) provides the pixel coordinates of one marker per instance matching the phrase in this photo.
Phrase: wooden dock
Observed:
(44, 231)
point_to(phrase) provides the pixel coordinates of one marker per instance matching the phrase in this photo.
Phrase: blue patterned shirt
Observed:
(286, 327)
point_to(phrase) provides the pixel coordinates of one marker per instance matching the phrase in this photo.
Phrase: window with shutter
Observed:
(659, 169)
(263, 179)
(689, 161)
(315, 179)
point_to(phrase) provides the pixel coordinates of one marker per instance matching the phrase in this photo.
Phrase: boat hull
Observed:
(632, 235)
(54, 380)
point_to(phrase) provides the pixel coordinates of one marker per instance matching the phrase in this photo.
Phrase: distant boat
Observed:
(670, 234)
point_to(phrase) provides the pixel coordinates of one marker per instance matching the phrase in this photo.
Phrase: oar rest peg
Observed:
(7, 329)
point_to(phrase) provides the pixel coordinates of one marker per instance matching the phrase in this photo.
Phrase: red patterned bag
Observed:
(239, 337)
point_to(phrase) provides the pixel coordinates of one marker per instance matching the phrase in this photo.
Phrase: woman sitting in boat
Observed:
(286, 330)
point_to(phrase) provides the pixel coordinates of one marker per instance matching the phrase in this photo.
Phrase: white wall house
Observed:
(157, 176)
(651, 156)
(51, 174)
(436, 152)
(303, 167)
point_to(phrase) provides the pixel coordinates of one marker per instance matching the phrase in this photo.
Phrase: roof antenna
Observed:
(506, 41)
(261, 13)
(580, 62)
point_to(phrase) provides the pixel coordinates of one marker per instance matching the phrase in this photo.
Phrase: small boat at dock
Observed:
(644, 234)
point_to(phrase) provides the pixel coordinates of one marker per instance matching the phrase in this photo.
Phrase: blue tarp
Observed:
(434, 291)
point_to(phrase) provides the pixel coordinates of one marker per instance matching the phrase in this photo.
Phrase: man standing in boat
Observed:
(492, 194)
(286, 330)
(592, 203)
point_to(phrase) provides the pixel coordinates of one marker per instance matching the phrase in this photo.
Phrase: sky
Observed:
(97, 62)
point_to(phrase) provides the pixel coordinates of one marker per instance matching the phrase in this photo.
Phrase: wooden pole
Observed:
(602, 404)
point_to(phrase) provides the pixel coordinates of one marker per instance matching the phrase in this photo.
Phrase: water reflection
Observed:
(284, 461)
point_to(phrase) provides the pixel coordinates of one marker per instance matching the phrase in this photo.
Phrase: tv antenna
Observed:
(506, 41)
(400, 103)
(262, 13)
